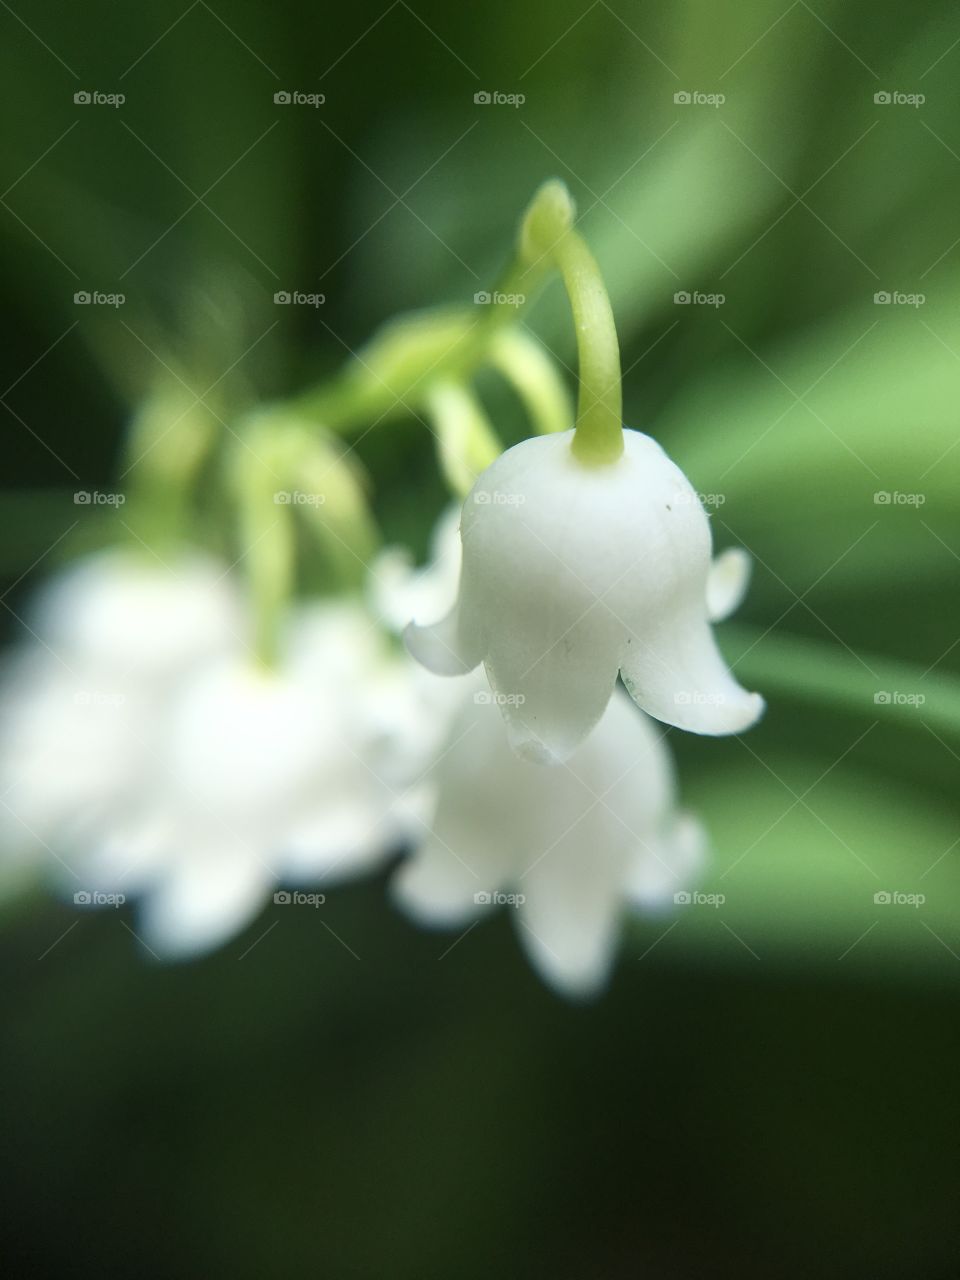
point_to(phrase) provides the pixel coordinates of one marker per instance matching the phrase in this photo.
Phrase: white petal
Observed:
(727, 582)
(346, 836)
(551, 699)
(569, 921)
(203, 902)
(400, 592)
(557, 846)
(451, 647)
(435, 887)
(680, 677)
(130, 613)
(669, 862)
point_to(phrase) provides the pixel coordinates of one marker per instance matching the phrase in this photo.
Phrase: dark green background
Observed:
(768, 1089)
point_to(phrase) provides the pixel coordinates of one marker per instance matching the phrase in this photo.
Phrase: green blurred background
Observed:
(767, 1089)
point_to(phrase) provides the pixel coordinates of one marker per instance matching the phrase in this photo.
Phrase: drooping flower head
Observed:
(145, 752)
(586, 554)
(573, 573)
(567, 849)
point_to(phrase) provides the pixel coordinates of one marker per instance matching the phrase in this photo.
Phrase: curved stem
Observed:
(598, 437)
(398, 369)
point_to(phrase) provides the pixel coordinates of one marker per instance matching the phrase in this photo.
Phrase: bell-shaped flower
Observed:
(144, 752)
(574, 572)
(108, 638)
(293, 775)
(567, 850)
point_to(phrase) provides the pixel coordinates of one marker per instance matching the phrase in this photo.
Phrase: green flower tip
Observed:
(548, 218)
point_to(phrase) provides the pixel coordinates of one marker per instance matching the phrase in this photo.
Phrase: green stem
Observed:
(598, 437)
(397, 370)
(548, 235)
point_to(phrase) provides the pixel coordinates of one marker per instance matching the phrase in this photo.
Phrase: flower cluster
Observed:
(189, 737)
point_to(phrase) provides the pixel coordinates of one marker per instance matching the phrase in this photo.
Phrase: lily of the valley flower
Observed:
(566, 849)
(110, 637)
(266, 776)
(144, 752)
(573, 573)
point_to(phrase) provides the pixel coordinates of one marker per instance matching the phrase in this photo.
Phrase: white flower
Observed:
(398, 591)
(565, 848)
(110, 636)
(297, 774)
(144, 752)
(572, 573)
(123, 612)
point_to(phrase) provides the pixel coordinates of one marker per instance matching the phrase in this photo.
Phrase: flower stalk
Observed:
(547, 235)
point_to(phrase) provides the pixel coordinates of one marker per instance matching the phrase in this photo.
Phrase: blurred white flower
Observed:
(144, 752)
(572, 573)
(566, 848)
(296, 775)
(399, 591)
(128, 612)
(109, 638)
